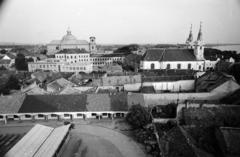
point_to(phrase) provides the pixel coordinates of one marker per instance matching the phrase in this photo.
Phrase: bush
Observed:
(138, 117)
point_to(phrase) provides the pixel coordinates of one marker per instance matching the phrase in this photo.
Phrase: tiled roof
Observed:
(231, 140)
(211, 80)
(178, 143)
(59, 84)
(11, 56)
(169, 55)
(11, 104)
(53, 103)
(5, 61)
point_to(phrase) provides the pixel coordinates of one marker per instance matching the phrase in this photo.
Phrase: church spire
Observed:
(189, 40)
(200, 38)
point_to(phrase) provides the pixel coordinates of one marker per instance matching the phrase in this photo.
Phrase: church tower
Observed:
(189, 41)
(199, 45)
(92, 44)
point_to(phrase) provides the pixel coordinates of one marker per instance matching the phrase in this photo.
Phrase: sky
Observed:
(120, 21)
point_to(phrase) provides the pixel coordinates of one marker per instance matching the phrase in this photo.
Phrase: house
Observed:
(176, 142)
(216, 82)
(5, 63)
(115, 68)
(58, 85)
(229, 141)
(120, 80)
(41, 141)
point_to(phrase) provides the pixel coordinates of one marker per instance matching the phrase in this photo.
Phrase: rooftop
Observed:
(72, 51)
(211, 80)
(171, 54)
(39, 141)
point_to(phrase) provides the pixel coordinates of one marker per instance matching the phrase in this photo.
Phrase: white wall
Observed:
(163, 65)
(174, 86)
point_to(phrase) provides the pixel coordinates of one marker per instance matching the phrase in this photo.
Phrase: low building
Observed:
(75, 60)
(58, 85)
(176, 142)
(229, 141)
(216, 82)
(41, 141)
(5, 63)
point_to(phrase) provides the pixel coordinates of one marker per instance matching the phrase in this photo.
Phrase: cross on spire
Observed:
(68, 30)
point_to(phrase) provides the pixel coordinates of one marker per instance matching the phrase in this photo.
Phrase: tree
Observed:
(30, 59)
(12, 83)
(44, 52)
(20, 62)
(3, 51)
(138, 116)
(3, 68)
(132, 62)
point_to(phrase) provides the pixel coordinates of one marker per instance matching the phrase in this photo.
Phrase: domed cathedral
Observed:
(198, 45)
(69, 41)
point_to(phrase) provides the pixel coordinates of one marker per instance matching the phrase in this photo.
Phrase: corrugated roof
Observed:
(40, 141)
(170, 55)
(50, 146)
(31, 142)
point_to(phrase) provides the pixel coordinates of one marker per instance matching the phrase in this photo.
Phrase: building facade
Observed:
(191, 57)
(75, 60)
(69, 41)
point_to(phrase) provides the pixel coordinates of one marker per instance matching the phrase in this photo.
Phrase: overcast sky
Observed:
(119, 21)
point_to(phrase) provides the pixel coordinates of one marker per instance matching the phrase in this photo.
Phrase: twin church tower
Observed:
(198, 45)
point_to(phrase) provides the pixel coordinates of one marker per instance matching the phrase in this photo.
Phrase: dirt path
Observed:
(125, 145)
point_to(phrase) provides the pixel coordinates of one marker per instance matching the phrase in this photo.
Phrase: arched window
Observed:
(189, 66)
(152, 66)
(168, 66)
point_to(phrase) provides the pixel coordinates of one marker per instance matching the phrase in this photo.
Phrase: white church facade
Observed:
(69, 41)
(191, 57)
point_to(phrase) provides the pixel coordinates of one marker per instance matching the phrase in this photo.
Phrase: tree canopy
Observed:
(12, 83)
(138, 116)
(21, 62)
(127, 49)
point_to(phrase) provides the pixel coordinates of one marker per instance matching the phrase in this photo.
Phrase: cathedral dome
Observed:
(69, 38)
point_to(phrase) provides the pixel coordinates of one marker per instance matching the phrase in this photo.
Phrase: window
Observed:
(66, 115)
(79, 115)
(152, 66)
(189, 66)
(178, 66)
(53, 115)
(28, 116)
(199, 67)
(168, 66)
(40, 115)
